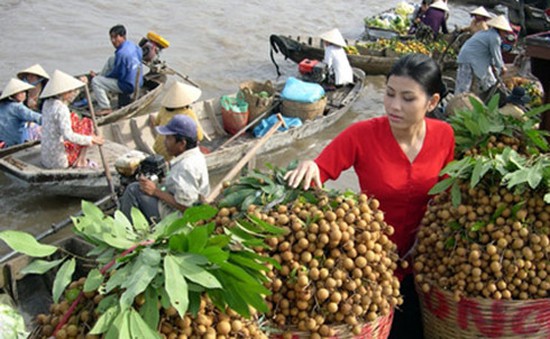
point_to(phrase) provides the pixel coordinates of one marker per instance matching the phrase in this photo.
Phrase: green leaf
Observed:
(517, 207)
(93, 281)
(25, 243)
(442, 186)
(215, 254)
(175, 284)
(534, 176)
(194, 302)
(150, 257)
(63, 278)
(106, 303)
(455, 194)
(243, 261)
(139, 279)
(149, 310)
(105, 320)
(140, 222)
(119, 277)
(90, 210)
(178, 243)
(450, 243)
(477, 226)
(40, 266)
(197, 239)
(139, 328)
(455, 225)
(516, 178)
(480, 169)
(266, 226)
(547, 198)
(120, 327)
(197, 274)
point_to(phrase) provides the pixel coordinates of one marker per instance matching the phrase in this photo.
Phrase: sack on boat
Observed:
(234, 113)
(265, 125)
(259, 97)
(301, 91)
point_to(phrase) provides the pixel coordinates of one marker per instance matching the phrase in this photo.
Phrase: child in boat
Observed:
(58, 125)
(176, 101)
(336, 58)
(14, 114)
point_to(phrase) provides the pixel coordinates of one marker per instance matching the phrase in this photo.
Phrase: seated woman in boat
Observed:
(480, 16)
(36, 76)
(336, 58)
(186, 182)
(57, 126)
(397, 158)
(176, 101)
(14, 114)
(436, 17)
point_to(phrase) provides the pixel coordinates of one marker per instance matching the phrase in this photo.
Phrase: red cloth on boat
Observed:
(81, 126)
(386, 173)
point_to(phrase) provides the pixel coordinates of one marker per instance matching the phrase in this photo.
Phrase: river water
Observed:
(217, 43)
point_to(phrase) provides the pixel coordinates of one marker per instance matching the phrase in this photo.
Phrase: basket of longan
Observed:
(482, 268)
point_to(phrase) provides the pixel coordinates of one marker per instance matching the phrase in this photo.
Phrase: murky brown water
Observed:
(218, 43)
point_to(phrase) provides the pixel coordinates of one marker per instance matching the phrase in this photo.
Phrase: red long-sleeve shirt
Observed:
(385, 172)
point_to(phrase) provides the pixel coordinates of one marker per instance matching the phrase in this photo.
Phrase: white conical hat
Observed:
(500, 22)
(481, 11)
(334, 37)
(60, 83)
(180, 95)
(15, 86)
(440, 5)
(34, 69)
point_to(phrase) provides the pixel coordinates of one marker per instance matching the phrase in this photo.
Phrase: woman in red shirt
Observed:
(397, 158)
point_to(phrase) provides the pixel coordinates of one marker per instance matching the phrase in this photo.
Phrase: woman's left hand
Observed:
(147, 186)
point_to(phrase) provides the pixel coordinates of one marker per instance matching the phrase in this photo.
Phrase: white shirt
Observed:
(187, 180)
(56, 128)
(337, 60)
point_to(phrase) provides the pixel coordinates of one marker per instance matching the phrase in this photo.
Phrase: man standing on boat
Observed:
(120, 72)
(480, 53)
(186, 182)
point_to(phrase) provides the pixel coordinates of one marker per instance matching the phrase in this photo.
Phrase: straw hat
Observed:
(481, 11)
(35, 69)
(501, 23)
(15, 86)
(440, 5)
(60, 83)
(180, 95)
(334, 37)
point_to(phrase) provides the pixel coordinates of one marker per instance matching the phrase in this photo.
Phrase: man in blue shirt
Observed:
(119, 74)
(14, 114)
(479, 54)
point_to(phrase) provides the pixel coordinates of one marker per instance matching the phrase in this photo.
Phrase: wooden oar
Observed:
(105, 164)
(237, 168)
(250, 124)
(183, 76)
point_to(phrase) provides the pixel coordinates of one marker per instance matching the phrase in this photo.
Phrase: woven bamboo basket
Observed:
(302, 110)
(377, 329)
(482, 318)
(256, 103)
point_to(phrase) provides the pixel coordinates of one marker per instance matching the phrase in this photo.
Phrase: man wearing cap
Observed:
(436, 17)
(187, 180)
(13, 114)
(120, 76)
(176, 101)
(336, 58)
(480, 53)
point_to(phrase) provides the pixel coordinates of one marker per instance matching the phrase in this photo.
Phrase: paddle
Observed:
(183, 76)
(105, 164)
(242, 130)
(237, 168)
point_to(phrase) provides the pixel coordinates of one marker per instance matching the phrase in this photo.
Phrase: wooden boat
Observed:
(302, 47)
(136, 133)
(88, 183)
(528, 16)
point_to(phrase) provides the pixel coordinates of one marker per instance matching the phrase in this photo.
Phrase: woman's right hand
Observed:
(306, 171)
(97, 140)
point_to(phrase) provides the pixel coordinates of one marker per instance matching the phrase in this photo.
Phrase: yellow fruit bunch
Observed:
(410, 46)
(351, 50)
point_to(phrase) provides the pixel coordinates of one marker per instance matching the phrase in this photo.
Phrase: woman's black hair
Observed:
(190, 142)
(422, 69)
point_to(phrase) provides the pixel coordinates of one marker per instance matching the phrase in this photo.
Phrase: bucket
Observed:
(234, 113)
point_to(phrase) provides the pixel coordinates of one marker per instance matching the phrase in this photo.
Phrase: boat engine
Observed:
(313, 70)
(151, 45)
(154, 168)
(134, 164)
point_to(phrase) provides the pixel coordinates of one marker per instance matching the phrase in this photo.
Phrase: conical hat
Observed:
(60, 83)
(180, 95)
(500, 22)
(481, 11)
(36, 70)
(334, 37)
(440, 5)
(15, 86)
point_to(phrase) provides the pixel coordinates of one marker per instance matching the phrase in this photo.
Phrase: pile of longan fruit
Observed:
(495, 244)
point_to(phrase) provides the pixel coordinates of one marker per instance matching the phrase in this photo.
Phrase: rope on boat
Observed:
(284, 45)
